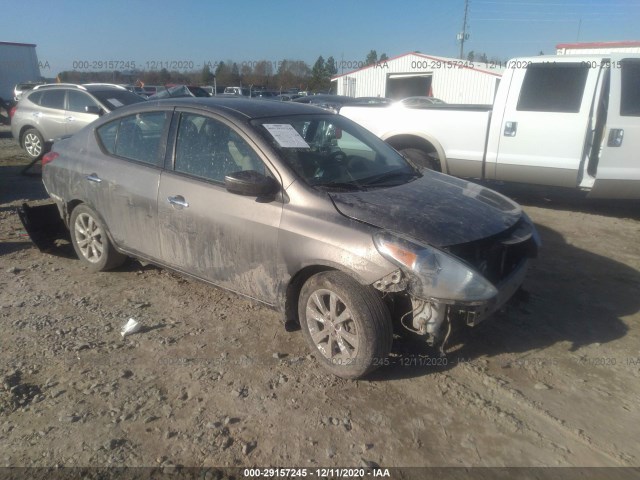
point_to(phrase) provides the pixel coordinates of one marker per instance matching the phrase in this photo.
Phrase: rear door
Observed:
(76, 116)
(543, 132)
(50, 118)
(618, 170)
(122, 183)
(228, 239)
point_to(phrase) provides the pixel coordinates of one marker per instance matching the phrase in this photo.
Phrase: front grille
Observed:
(497, 257)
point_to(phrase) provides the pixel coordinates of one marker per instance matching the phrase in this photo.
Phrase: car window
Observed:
(77, 101)
(53, 99)
(208, 148)
(115, 98)
(107, 134)
(330, 150)
(35, 97)
(630, 102)
(136, 137)
(553, 87)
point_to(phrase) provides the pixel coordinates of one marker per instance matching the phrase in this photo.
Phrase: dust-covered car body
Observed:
(295, 207)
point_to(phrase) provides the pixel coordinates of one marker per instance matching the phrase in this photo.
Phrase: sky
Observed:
(192, 33)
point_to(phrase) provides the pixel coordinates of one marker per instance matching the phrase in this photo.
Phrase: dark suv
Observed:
(57, 110)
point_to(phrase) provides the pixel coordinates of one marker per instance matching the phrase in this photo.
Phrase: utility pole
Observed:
(463, 35)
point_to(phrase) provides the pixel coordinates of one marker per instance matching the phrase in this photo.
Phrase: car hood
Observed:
(437, 209)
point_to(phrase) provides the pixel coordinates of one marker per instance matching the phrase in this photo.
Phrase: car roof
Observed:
(248, 108)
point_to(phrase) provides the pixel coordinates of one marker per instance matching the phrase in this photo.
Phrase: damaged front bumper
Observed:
(447, 286)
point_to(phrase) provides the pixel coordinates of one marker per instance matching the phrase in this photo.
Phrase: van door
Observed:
(618, 169)
(543, 132)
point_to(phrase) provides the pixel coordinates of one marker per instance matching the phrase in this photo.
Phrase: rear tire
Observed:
(33, 144)
(91, 242)
(346, 324)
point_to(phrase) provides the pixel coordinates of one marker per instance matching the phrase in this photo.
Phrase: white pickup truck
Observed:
(569, 121)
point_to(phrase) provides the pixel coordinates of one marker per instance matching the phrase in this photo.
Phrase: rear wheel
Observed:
(345, 323)
(90, 241)
(33, 143)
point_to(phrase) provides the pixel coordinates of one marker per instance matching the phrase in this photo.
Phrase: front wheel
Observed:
(90, 241)
(33, 143)
(346, 323)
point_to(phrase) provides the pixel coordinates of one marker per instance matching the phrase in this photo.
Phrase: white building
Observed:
(416, 74)
(597, 47)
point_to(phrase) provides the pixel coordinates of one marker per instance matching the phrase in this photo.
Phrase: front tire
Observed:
(33, 144)
(91, 242)
(346, 324)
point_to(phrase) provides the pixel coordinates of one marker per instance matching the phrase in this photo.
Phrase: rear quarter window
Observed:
(553, 87)
(135, 137)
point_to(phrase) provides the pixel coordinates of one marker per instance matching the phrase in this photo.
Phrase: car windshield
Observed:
(330, 151)
(116, 98)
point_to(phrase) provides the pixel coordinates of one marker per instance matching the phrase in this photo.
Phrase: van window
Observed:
(553, 87)
(630, 95)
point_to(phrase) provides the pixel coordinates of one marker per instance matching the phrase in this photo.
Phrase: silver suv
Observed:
(51, 111)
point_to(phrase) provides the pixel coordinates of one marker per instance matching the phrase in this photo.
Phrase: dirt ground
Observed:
(215, 380)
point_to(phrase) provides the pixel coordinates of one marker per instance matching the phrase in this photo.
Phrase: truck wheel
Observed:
(90, 241)
(33, 143)
(346, 323)
(421, 158)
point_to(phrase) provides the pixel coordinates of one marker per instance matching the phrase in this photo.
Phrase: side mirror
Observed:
(250, 183)
(94, 109)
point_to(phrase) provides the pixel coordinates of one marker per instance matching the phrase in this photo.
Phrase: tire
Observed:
(357, 338)
(91, 242)
(421, 158)
(33, 144)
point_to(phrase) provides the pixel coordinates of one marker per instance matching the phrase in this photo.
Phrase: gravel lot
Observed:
(215, 380)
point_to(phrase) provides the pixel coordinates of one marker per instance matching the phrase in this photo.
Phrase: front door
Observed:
(543, 132)
(618, 169)
(228, 239)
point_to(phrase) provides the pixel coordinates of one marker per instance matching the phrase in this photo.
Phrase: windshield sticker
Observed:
(115, 102)
(286, 135)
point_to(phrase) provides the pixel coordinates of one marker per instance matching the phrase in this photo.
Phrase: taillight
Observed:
(49, 157)
(12, 111)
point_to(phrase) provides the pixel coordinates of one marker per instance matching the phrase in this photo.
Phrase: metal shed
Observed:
(18, 63)
(413, 74)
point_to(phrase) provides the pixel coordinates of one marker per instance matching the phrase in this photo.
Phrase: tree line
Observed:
(280, 75)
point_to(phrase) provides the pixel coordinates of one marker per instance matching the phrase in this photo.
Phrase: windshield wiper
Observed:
(342, 185)
(385, 177)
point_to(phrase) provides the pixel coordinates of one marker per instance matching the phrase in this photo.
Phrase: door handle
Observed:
(94, 178)
(616, 135)
(70, 119)
(178, 201)
(510, 129)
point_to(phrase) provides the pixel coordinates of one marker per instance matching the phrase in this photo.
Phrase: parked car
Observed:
(300, 209)
(178, 91)
(21, 88)
(332, 103)
(420, 102)
(56, 110)
(568, 121)
(240, 91)
(287, 97)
